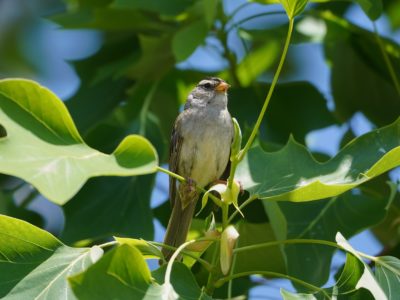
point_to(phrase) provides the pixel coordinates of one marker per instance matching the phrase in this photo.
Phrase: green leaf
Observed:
(387, 273)
(182, 280)
(172, 7)
(147, 249)
(321, 220)
(367, 279)
(35, 265)
(22, 248)
(359, 77)
(292, 174)
(8, 207)
(110, 206)
(300, 104)
(44, 147)
(188, 38)
(49, 280)
(292, 7)
(101, 83)
(259, 60)
(156, 60)
(372, 8)
(349, 277)
(114, 19)
(210, 8)
(122, 273)
(258, 259)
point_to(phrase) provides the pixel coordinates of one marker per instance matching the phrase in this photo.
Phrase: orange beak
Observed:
(222, 87)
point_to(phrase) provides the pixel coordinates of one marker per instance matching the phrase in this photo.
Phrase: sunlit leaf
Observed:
(367, 279)
(292, 7)
(120, 274)
(44, 147)
(147, 249)
(35, 265)
(349, 277)
(183, 282)
(292, 174)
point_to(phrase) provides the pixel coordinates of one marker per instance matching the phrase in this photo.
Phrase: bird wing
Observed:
(174, 151)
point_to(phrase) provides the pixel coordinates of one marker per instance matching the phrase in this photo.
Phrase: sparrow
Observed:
(199, 152)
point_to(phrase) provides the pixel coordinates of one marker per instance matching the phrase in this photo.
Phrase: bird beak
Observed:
(222, 87)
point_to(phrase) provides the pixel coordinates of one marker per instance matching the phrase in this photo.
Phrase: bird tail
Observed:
(178, 226)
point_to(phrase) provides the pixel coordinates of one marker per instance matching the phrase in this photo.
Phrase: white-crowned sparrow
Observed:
(199, 151)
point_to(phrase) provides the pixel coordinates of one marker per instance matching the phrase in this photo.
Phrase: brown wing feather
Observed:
(174, 150)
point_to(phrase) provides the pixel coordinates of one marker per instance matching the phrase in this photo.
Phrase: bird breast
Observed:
(206, 145)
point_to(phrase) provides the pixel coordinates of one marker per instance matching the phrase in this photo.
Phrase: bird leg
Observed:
(188, 192)
(190, 184)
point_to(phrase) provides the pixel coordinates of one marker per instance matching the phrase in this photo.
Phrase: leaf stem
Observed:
(203, 262)
(228, 54)
(283, 242)
(167, 278)
(145, 108)
(172, 174)
(182, 179)
(108, 244)
(210, 284)
(386, 59)
(244, 20)
(225, 214)
(223, 280)
(300, 241)
(270, 92)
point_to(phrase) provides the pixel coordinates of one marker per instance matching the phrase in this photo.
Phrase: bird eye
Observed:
(207, 85)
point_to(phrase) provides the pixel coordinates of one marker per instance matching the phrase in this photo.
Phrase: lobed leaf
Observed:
(44, 148)
(292, 174)
(348, 213)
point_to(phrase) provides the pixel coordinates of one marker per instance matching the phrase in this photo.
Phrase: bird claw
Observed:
(191, 184)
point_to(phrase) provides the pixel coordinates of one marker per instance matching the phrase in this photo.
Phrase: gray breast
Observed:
(206, 146)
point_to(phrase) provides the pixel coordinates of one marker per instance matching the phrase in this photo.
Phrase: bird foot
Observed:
(191, 184)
